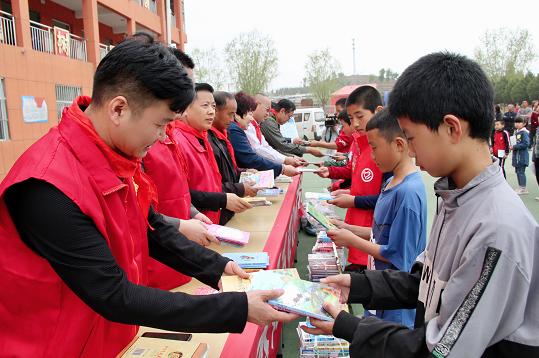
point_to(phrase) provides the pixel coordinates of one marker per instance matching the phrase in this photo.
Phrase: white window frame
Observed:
(4, 124)
(65, 95)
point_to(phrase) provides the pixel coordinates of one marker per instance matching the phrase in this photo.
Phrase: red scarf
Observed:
(204, 136)
(224, 137)
(257, 129)
(124, 168)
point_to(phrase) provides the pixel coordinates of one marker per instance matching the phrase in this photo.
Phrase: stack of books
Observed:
(229, 235)
(326, 258)
(311, 346)
(318, 196)
(270, 192)
(249, 260)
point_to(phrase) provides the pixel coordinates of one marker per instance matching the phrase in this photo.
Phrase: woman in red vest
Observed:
(191, 134)
(77, 225)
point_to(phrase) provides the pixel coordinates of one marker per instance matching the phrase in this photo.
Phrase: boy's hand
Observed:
(339, 223)
(323, 172)
(342, 237)
(342, 283)
(250, 189)
(314, 152)
(340, 192)
(343, 201)
(323, 327)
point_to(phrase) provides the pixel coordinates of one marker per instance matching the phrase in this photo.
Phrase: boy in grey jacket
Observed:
(476, 286)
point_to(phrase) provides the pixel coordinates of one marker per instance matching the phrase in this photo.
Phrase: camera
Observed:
(331, 120)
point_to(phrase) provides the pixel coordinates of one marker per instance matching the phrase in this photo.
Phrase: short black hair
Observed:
(287, 104)
(445, 83)
(143, 72)
(221, 97)
(343, 116)
(202, 86)
(341, 102)
(387, 125)
(184, 58)
(143, 36)
(500, 120)
(519, 120)
(246, 103)
(367, 97)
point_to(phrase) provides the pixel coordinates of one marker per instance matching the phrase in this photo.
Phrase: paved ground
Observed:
(312, 182)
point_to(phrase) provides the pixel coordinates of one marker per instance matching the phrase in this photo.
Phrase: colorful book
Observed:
(229, 235)
(261, 179)
(249, 259)
(318, 216)
(301, 297)
(145, 347)
(235, 283)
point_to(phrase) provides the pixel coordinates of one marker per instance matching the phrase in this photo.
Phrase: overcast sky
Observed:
(387, 33)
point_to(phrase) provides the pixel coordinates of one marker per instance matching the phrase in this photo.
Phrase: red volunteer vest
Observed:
(201, 175)
(366, 180)
(165, 165)
(40, 316)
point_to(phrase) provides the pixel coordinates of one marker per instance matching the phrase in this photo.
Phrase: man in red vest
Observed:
(191, 134)
(77, 225)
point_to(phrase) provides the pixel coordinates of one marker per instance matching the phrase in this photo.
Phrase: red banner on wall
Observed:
(61, 41)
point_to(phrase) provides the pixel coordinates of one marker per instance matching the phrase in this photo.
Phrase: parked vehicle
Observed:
(310, 122)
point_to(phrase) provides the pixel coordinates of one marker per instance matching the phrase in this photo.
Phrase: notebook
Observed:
(249, 259)
(261, 179)
(318, 216)
(301, 297)
(229, 235)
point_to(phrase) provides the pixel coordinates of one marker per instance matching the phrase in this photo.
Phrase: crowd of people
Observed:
(516, 131)
(108, 211)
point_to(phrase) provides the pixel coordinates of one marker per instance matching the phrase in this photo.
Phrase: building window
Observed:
(61, 24)
(4, 127)
(64, 97)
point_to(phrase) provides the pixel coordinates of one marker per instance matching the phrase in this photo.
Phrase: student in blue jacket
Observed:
(521, 157)
(246, 157)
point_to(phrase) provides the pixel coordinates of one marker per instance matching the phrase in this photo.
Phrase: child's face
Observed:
(519, 125)
(359, 117)
(498, 126)
(428, 147)
(385, 154)
(347, 128)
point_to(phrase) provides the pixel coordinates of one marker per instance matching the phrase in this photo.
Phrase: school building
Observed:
(49, 51)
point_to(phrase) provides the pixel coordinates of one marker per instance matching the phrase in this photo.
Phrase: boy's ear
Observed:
(454, 127)
(402, 144)
(378, 109)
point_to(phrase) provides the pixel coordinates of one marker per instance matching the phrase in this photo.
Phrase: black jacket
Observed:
(373, 337)
(229, 175)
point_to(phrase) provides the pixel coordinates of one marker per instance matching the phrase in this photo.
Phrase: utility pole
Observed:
(354, 55)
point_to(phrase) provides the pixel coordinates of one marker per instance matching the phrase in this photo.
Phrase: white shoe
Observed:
(522, 191)
(537, 198)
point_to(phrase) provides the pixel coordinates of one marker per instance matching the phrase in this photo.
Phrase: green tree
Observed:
(533, 88)
(321, 71)
(208, 67)
(252, 61)
(505, 52)
(382, 75)
(499, 90)
(519, 91)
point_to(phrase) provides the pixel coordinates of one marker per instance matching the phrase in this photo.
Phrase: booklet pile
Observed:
(249, 260)
(326, 258)
(311, 346)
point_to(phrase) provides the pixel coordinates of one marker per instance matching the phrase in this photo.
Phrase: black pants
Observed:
(501, 161)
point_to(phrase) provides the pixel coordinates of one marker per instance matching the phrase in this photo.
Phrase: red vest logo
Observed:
(367, 175)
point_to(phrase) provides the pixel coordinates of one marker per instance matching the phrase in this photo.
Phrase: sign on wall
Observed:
(34, 109)
(61, 41)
